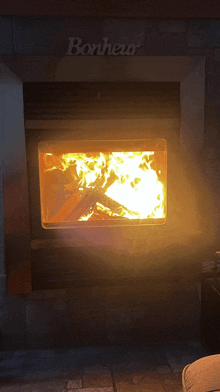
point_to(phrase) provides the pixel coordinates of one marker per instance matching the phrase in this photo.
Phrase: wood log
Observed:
(80, 204)
(78, 197)
(100, 214)
(88, 202)
(68, 206)
(92, 197)
(108, 202)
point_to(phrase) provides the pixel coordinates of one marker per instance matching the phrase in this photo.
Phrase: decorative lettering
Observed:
(94, 51)
(86, 49)
(72, 45)
(131, 50)
(75, 48)
(107, 47)
(116, 49)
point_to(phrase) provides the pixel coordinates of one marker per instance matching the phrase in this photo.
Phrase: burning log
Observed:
(106, 201)
(68, 206)
(87, 203)
(92, 197)
(80, 201)
(100, 212)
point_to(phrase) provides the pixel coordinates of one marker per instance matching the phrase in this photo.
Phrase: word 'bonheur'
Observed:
(75, 48)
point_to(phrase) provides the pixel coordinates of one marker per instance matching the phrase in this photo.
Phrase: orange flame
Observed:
(136, 186)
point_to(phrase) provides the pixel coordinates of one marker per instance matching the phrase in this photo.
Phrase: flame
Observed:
(127, 178)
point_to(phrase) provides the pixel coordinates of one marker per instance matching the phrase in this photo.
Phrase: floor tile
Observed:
(97, 377)
(163, 369)
(97, 381)
(147, 378)
(172, 382)
(73, 374)
(140, 388)
(131, 367)
(123, 379)
(74, 384)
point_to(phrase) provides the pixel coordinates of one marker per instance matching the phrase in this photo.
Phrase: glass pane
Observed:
(103, 183)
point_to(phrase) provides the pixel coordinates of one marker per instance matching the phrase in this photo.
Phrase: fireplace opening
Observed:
(102, 183)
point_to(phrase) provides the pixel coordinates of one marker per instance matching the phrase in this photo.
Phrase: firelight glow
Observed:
(119, 184)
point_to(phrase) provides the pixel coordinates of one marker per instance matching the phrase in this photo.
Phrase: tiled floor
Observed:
(98, 369)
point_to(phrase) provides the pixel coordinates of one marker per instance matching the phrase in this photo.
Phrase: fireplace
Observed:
(119, 135)
(125, 140)
(99, 263)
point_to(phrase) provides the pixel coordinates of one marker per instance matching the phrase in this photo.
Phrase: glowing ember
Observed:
(106, 186)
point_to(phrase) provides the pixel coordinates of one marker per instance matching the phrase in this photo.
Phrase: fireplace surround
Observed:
(157, 117)
(124, 255)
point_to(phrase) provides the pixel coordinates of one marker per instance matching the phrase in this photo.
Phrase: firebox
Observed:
(103, 155)
(102, 183)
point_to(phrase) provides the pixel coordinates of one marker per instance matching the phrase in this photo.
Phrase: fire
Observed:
(117, 184)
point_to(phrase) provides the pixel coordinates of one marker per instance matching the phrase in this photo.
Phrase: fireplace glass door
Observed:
(87, 183)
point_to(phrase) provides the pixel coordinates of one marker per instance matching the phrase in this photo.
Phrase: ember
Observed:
(102, 186)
